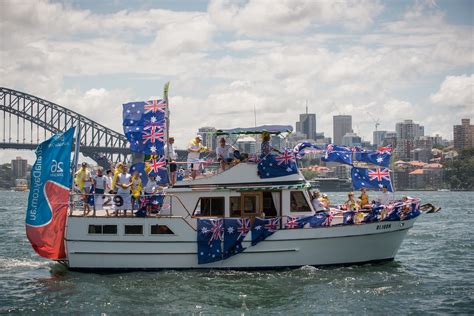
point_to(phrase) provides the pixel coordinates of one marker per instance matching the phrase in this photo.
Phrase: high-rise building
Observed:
(19, 168)
(351, 139)
(407, 133)
(378, 137)
(409, 130)
(390, 138)
(247, 145)
(463, 134)
(342, 124)
(209, 138)
(307, 124)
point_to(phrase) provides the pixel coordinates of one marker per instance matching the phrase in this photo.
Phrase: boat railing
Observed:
(115, 204)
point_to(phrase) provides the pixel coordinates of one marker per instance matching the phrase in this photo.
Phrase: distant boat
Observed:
(444, 190)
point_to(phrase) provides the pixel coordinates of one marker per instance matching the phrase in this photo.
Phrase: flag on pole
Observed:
(49, 195)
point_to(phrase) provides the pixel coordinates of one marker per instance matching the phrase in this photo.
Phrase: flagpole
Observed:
(167, 127)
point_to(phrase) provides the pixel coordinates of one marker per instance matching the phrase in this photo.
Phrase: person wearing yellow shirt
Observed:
(82, 177)
(136, 187)
(364, 199)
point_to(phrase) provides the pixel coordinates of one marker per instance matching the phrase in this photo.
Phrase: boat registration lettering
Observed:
(384, 226)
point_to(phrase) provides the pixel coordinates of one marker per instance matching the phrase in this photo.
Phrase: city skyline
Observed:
(384, 63)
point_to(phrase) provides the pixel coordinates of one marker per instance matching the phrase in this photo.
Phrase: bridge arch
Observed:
(39, 118)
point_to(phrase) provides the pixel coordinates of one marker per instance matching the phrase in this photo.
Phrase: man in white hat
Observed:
(194, 148)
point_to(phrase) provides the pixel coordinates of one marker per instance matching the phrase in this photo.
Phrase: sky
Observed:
(376, 60)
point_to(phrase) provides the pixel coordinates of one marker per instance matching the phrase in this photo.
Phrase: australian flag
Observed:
(299, 149)
(348, 217)
(335, 153)
(271, 166)
(210, 234)
(379, 157)
(262, 228)
(157, 167)
(144, 126)
(321, 219)
(371, 178)
(297, 222)
(235, 230)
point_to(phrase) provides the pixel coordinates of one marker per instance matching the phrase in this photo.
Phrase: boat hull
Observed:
(336, 245)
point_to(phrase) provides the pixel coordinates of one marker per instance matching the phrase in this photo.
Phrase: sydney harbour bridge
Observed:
(27, 120)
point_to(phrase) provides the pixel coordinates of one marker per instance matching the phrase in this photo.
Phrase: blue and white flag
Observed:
(299, 149)
(379, 158)
(371, 178)
(262, 228)
(144, 126)
(335, 153)
(235, 230)
(297, 222)
(348, 217)
(321, 219)
(210, 234)
(271, 166)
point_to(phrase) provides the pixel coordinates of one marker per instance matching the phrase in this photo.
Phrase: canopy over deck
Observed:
(272, 129)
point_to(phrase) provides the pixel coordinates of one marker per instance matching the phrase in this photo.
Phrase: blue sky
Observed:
(390, 60)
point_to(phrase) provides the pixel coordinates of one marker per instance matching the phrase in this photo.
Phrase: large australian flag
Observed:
(144, 126)
(235, 230)
(371, 178)
(335, 153)
(379, 158)
(263, 228)
(210, 234)
(271, 166)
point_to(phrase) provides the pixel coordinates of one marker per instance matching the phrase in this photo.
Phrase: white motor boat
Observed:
(169, 240)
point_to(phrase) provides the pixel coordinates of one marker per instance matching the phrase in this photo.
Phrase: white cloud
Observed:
(455, 91)
(266, 17)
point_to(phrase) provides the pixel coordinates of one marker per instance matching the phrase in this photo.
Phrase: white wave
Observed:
(11, 263)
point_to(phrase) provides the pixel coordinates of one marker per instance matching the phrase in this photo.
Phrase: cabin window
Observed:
(160, 230)
(269, 204)
(103, 229)
(133, 230)
(298, 202)
(210, 206)
(234, 206)
(251, 204)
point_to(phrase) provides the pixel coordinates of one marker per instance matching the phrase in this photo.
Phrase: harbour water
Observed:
(432, 273)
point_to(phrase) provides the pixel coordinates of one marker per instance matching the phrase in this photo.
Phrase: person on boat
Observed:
(351, 204)
(316, 202)
(195, 147)
(108, 181)
(117, 170)
(136, 188)
(325, 201)
(83, 177)
(225, 153)
(173, 156)
(364, 199)
(266, 148)
(123, 186)
(384, 197)
(100, 184)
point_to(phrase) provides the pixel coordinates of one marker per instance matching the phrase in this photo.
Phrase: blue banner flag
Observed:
(272, 166)
(49, 195)
(371, 178)
(210, 234)
(262, 228)
(299, 149)
(235, 230)
(379, 158)
(144, 126)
